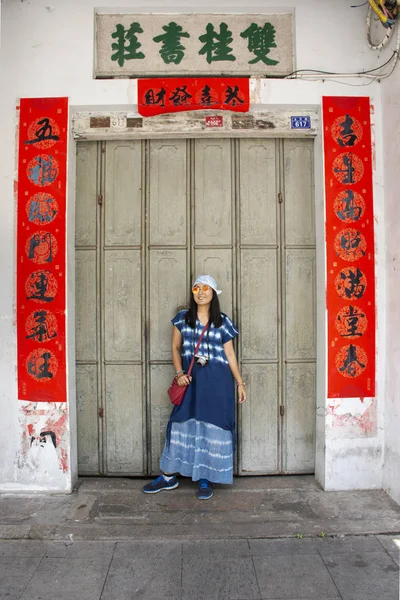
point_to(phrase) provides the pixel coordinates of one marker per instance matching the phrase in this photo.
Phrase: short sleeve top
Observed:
(213, 340)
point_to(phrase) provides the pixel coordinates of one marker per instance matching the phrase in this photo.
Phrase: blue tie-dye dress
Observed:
(201, 431)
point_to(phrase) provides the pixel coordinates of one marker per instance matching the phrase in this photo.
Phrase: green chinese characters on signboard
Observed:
(260, 42)
(217, 43)
(127, 45)
(172, 51)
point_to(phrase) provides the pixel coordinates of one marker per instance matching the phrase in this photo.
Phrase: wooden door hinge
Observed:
(101, 412)
(100, 199)
(282, 410)
(280, 197)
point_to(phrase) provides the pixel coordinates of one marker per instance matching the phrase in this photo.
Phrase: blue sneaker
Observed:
(160, 484)
(205, 489)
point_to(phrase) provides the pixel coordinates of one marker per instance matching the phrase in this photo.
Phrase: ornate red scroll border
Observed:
(41, 249)
(350, 293)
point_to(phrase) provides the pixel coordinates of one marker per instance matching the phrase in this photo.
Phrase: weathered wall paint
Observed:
(59, 50)
(352, 418)
(43, 455)
(391, 125)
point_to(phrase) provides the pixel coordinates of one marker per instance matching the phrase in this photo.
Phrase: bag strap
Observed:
(197, 347)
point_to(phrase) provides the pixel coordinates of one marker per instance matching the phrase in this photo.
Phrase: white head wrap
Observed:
(208, 280)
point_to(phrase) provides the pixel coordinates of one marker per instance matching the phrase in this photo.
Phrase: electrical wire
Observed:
(372, 74)
(360, 73)
(368, 21)
(376, 73)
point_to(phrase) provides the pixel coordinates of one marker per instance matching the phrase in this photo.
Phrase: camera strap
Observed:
(197, 348)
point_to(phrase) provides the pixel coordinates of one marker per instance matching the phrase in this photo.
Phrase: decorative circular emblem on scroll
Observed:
(351, 283)
(348, 168)
(41, 208)
(41, 286)
(42, 365)
(351, 361)
(42, 170)
(347, 131)
(350, 244)
(41, 247)
(351, 322)
(349, 206)
(41, 326)
(43, 133)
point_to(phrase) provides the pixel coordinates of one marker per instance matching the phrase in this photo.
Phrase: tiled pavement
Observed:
(311, 568)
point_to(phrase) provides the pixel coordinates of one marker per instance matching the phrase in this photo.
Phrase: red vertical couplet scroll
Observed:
(349, 247)
(41, 256)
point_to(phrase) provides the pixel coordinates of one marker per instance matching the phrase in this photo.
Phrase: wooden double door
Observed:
(152, 214)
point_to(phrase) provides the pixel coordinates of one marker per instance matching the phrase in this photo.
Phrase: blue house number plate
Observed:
(300, 122)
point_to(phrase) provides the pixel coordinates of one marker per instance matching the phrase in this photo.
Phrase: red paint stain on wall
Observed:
(365, 423)
(54, 422)
(59, 427)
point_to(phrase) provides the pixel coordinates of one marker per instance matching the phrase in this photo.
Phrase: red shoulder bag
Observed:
(176, 392)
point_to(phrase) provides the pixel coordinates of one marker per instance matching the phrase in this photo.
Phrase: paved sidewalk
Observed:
(254, 507)
(264, 538)
(349, 568)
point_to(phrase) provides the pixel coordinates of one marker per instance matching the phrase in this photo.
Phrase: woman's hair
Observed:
(215, 312)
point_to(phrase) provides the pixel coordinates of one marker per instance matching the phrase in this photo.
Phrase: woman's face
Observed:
(202, 294)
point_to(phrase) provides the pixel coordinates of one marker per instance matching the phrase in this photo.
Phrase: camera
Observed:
(201, 359)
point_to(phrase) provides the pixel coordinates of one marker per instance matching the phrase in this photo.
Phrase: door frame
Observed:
(105, 124)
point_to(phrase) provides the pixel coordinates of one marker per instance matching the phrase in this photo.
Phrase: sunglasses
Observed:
(197, 288)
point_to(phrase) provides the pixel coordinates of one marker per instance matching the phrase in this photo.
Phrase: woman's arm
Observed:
(233, 364)
(176, 346)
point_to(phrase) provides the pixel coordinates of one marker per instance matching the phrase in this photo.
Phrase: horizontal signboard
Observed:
(135, 45)
(159, 96)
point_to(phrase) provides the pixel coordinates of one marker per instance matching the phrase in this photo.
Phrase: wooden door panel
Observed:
(213, 192)
(258, 192)
(86, 193)
(123, 413)
(122, 305)
(259, 420)
(218, 263)
(168, 291)
(300, 419)
(123, 193)
(160, 379)
(87, 419)
(300, 304)
(259, 300)
(167, 208)
(299, 192)
(86, 306)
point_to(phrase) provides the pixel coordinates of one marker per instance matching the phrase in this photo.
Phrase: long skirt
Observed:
(199, 450)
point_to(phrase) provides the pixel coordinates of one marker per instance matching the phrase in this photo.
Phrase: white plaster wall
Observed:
(391, 128)
(47, 50)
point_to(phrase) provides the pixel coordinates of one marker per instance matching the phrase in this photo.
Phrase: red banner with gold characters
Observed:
(159, 96)
(41, 257)
(349, 247)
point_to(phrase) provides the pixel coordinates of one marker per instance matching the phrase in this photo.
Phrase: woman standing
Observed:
(200, 437)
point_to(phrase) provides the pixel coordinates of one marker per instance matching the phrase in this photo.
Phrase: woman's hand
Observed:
(183, 380)
(242, 396)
